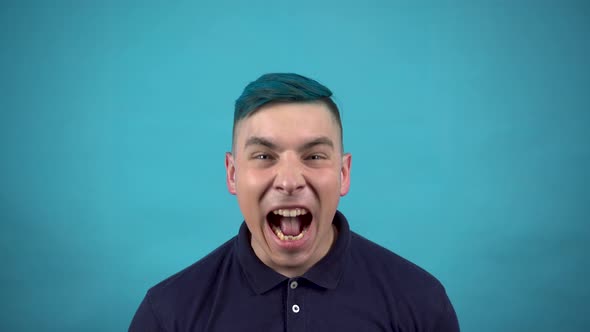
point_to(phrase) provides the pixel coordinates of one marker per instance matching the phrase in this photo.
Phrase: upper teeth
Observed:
(290, 212)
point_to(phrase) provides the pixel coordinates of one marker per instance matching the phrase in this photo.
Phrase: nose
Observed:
(289, 176)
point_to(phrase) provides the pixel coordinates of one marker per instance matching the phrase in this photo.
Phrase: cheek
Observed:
(328, 183)
(252, 183)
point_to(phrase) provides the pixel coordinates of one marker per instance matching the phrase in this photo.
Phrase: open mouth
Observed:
(289, 224)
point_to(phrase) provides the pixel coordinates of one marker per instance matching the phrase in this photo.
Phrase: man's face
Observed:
(288, 173)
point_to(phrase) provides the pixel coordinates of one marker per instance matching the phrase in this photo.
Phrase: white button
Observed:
(294, 284)
(295, 308)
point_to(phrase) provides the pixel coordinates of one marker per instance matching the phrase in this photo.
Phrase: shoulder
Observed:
(414, 295)
(194, 281)
(390, 268)
(181, 299)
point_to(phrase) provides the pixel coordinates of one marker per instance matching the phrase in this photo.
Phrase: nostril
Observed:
(289, 189)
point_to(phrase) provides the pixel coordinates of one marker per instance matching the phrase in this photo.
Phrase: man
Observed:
(294, 265)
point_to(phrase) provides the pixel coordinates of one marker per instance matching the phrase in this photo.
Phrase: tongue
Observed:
(290, 226)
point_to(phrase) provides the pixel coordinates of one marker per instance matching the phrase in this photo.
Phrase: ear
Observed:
(345, 174)
(230, 173)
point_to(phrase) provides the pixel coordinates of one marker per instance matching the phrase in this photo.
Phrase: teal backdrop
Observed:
(468, 122)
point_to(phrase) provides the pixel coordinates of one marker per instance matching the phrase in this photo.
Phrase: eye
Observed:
(316, 157)
(261, 156)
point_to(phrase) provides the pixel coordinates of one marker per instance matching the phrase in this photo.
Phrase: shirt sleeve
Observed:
(145, 319)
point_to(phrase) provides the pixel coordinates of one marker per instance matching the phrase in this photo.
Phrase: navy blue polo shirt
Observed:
(357, 286)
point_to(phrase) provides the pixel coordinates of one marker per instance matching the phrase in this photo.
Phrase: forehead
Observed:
(289, 123)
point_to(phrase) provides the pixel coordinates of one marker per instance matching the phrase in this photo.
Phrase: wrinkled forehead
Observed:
(289, 122)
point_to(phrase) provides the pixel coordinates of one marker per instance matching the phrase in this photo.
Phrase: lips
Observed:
(289, 224)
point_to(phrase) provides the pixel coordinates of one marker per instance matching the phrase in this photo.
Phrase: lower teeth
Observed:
(284, 237)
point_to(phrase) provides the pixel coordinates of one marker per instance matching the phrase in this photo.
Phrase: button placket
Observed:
(295, 308)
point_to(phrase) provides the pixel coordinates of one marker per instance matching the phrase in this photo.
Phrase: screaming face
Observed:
(288, 173)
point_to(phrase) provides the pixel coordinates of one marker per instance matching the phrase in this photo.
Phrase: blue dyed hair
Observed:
(283, 88)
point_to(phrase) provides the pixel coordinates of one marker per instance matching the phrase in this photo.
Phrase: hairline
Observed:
(286, 102)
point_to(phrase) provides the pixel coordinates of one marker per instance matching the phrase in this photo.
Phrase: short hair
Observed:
(283, 88)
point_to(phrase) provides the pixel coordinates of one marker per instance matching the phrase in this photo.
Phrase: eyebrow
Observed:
(257, 140)
(323, 140)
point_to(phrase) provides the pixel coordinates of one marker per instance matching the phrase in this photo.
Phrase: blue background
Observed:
(468, 122)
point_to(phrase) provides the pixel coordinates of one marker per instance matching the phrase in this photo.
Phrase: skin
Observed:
(285, 156)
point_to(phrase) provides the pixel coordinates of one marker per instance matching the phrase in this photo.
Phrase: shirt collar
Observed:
(326, 273)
